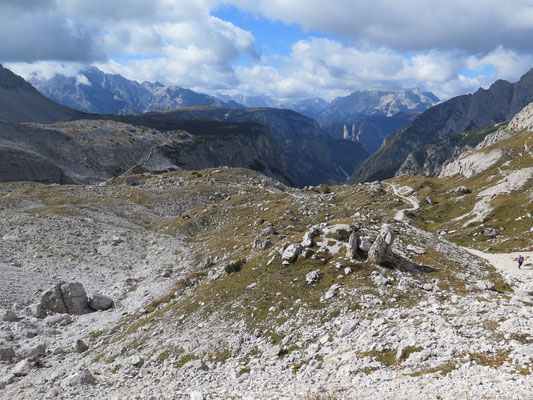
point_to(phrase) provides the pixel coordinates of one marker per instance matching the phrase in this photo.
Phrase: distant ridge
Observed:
(375, 102)
(101, 93)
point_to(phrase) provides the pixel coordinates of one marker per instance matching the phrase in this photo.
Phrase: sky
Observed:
(285, 49)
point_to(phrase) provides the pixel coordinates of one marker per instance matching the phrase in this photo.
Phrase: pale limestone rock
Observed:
(292, 252)
(23, 368)
(99, 302)
(352, 245)
(82, 377)
(332, 292)
(381, 247)
(312, 277)
(196, 395)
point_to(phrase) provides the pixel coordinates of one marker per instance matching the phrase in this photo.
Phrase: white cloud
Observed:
(326, 68)
(410, 25)
(82, 80)
(386, 44)
(45, 69)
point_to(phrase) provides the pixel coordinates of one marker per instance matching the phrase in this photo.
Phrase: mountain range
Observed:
(376, 103)
(88, 148)
(97, 92)
(412, 149)
(369, 115)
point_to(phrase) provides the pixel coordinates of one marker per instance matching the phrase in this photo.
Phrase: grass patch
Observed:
(185, 359)
(442, 370)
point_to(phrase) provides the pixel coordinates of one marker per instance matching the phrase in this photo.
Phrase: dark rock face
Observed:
(403, 151)
(20, 165)
(19, 101)
(310, 156)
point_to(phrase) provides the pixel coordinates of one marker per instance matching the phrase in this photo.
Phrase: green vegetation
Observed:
(185, 359)
(235, 266)
(442, 369)
(325, 188)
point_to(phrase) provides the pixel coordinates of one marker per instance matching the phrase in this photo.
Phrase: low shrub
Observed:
(235, 266)
(325, 188)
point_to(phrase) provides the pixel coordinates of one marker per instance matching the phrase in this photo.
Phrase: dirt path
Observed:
(507, 261)
(400, 215)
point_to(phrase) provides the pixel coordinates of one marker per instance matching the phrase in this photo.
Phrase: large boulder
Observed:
(381, 248)
(292, 252)
(75, 298)
(99, 302)
(82, 377)
(65, 298)
(52, 300)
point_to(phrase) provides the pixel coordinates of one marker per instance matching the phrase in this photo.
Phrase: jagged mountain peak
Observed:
(376, 102)
(105, 93)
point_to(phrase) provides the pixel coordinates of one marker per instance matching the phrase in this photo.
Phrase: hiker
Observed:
(520, 260)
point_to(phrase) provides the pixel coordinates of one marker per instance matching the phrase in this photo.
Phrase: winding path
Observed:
(400, 215)
(505, 262)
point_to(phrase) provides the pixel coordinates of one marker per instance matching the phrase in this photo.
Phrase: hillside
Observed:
(482, 197)
(327, 300)
(403, 151)
(91, 151)
(19, 101)
(225, 283)
(311, 156)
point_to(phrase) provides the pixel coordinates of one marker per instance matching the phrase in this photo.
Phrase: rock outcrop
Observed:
(66, 298)
(381, 248)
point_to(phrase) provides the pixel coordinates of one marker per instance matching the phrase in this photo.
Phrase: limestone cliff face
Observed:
(405, 151)
(487, 153)
(370, 130)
